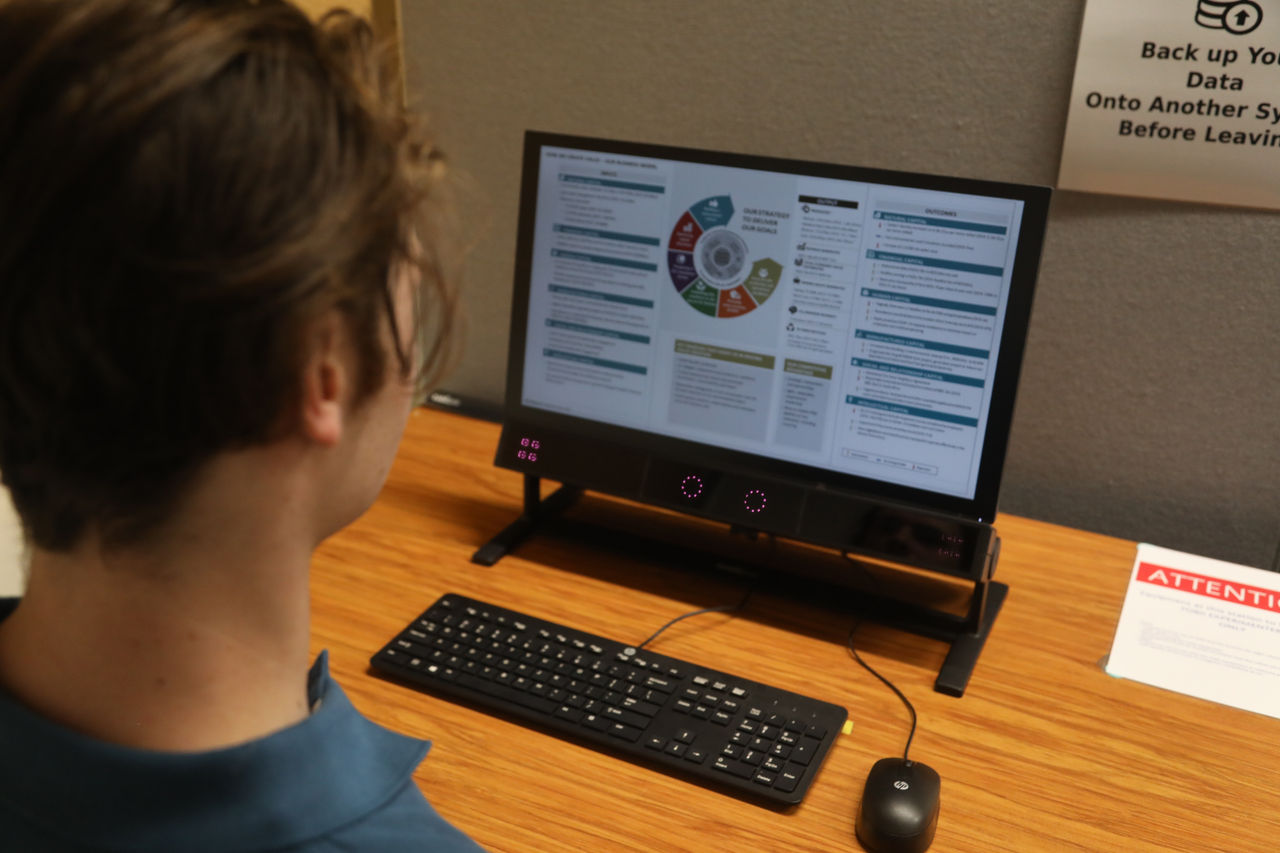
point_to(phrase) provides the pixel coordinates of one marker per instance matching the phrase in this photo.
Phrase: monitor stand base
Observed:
(536, 510)
(965, 635)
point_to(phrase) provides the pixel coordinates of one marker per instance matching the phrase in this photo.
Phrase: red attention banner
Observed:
(1210, 587)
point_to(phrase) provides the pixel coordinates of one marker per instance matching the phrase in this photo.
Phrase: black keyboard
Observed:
(714, 727)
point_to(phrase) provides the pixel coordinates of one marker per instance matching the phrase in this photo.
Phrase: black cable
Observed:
(723, 608)
(887, 683)
(911, 708)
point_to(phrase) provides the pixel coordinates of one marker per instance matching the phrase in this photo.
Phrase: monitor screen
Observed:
(827, 327)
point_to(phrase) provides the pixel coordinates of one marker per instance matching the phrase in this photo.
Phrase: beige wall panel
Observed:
(1149, 403)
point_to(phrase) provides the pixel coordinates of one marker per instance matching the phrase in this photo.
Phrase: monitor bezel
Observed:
(980, 508)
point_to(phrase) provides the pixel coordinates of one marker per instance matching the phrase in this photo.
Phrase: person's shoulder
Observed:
(379, 765)
(405, 823)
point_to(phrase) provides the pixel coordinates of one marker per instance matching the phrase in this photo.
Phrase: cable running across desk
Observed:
(853, 630)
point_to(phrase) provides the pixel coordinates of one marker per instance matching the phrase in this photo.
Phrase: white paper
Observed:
(1203, 627)
(1177, 99)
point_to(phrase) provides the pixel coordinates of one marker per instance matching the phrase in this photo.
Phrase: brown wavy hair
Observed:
(184, 187)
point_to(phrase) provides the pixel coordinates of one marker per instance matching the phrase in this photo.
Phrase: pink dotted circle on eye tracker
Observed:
(754, 501)
(691, 486)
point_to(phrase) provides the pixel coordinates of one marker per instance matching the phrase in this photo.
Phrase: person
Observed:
(224, 272)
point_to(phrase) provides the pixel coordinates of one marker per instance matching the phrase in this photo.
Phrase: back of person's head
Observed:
(186, 185)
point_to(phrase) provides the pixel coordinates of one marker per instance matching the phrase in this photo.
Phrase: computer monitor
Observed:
(818, 351)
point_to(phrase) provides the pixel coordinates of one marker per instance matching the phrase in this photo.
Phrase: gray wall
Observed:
(1148, 405)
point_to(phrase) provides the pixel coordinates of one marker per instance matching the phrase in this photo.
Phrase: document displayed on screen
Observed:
(843, 325)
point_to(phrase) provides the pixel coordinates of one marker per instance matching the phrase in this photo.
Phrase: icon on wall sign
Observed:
(1235, 16)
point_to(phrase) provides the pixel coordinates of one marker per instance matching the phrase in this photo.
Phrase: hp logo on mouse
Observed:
(900, 785)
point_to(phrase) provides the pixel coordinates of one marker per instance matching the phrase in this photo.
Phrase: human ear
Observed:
(324, 382)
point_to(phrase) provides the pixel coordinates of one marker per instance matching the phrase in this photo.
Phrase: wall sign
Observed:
(1177, 99)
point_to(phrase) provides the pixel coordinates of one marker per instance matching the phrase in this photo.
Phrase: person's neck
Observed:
(199, 640)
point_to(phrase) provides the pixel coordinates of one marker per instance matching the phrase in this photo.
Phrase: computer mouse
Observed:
(899, 809)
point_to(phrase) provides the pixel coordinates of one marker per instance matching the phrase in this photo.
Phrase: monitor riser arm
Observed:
(965, 635)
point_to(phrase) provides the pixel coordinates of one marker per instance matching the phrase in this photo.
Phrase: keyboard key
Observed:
(629, 717)
(646, 709)
(802, 753)
(565, 712)
(622, 730)
(508, 694)
(733, 768)
(788, 780)
(657, 682)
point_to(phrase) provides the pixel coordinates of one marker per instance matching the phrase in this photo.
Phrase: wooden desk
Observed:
(1044, 752)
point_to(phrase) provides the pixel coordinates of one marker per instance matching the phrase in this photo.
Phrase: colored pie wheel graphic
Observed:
(709, 265)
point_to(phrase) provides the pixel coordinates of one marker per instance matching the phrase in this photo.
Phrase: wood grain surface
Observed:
(1044, 751)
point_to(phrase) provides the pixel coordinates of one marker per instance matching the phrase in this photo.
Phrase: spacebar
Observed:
(506, 694)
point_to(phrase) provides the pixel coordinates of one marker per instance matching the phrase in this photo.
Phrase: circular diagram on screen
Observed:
(710, 263)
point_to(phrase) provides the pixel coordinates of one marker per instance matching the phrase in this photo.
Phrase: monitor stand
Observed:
(964, 634)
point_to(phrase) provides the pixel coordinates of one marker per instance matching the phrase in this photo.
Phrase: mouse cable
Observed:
(723, 608)
(854, 651)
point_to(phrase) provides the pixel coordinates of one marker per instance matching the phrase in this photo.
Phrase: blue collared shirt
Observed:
(332, 782)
